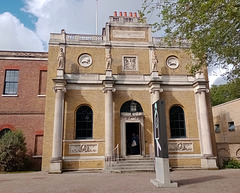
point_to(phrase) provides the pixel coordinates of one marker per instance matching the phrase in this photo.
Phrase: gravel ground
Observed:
(194, 181)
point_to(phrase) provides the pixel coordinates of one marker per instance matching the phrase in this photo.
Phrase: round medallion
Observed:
(85, 60)
(172, 62)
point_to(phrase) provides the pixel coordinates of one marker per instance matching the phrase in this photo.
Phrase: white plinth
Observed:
(163, 174)
(209, 163)
(55, 167)
(108, 73)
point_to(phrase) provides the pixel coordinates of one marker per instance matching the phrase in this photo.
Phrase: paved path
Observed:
(194, 181)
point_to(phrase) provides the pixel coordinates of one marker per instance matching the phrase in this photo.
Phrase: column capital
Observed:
(62, 88)
(155, 86)
(200, 90)
(60, 84)
(155, 89)
(106, 89)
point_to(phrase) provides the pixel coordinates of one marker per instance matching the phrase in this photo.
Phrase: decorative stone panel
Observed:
(180, 147)
(82, 148)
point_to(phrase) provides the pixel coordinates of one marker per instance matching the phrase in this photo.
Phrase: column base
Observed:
(163, 174)
(55, 166)
(209, 163)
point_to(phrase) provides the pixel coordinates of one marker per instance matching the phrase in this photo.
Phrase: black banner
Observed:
(159, 129)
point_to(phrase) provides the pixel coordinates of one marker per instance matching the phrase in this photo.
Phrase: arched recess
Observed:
(132, 121)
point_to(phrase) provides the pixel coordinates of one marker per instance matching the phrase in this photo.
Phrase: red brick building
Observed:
(23, 77)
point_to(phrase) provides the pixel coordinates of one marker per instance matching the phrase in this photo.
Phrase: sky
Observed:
(25, 25)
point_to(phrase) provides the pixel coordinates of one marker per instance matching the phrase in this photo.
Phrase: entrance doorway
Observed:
(133, 133)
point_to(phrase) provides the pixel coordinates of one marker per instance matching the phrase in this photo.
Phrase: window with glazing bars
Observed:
(84, 123)
(11, 82)
(177, 122)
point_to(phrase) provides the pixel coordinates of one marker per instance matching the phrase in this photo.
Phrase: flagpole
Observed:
(96, 17)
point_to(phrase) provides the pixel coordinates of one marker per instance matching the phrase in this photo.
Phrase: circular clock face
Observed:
(172, 62)
(85, 60)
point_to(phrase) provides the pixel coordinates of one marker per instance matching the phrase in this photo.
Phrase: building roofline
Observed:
(226, 103)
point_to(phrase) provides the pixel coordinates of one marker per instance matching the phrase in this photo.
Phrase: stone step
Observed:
(132, 164)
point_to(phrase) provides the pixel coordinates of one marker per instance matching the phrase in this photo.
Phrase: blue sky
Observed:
(16, 8)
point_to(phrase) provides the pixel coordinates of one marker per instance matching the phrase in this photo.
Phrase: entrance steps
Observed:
(132, 164)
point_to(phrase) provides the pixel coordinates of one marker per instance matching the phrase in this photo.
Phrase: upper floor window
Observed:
(11, 82)
(84, 123)
(177, 122)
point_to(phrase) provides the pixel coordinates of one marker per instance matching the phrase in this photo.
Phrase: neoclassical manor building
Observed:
(81, 104)
(100, 90)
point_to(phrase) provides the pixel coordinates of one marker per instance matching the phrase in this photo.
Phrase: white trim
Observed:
(40, 96)
(5, 95)
(85, 140)
(82, 158)
(23, 58)
(185, 156)
(183, 139)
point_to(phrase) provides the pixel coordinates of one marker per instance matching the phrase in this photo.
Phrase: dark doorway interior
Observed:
(132, 133)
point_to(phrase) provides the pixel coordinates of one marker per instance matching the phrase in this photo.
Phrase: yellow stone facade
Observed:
(81, 85)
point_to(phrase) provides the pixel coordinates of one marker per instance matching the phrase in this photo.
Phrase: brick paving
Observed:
(190, 181)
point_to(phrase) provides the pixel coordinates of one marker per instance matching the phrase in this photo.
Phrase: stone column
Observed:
(56, 161)
(208, 160)
(108, 90)
(204, 122)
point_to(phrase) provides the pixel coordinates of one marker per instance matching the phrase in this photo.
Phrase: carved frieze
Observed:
(82, 148)
(180, 147)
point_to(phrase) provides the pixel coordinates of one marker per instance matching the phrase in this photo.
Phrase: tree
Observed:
(212, 27)
(224, 93)
(12, 151)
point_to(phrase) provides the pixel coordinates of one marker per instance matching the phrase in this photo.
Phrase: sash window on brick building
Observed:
(11, 82)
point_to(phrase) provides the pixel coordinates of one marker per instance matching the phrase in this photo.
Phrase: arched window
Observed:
(3, 131)
(177, 122)
(84, 123)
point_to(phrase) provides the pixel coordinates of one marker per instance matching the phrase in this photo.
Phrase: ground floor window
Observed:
(84, 122)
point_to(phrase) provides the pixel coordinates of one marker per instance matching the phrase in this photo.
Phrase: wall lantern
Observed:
(133, 107)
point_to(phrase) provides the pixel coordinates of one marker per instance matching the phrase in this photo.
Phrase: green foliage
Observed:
(231, 164)
(212, 27)
(13, 151)
(224, 93)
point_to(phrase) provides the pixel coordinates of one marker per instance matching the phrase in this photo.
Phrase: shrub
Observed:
(13, 151)
(232, 163)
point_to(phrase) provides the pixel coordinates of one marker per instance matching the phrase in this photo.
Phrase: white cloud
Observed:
(14, 36)
(75, 16)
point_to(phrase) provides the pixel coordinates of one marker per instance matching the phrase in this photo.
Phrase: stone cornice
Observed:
(24, 55)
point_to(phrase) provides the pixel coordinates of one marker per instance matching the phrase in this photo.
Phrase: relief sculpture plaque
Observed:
(130, 63)
(86, 148)
(180, 147)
